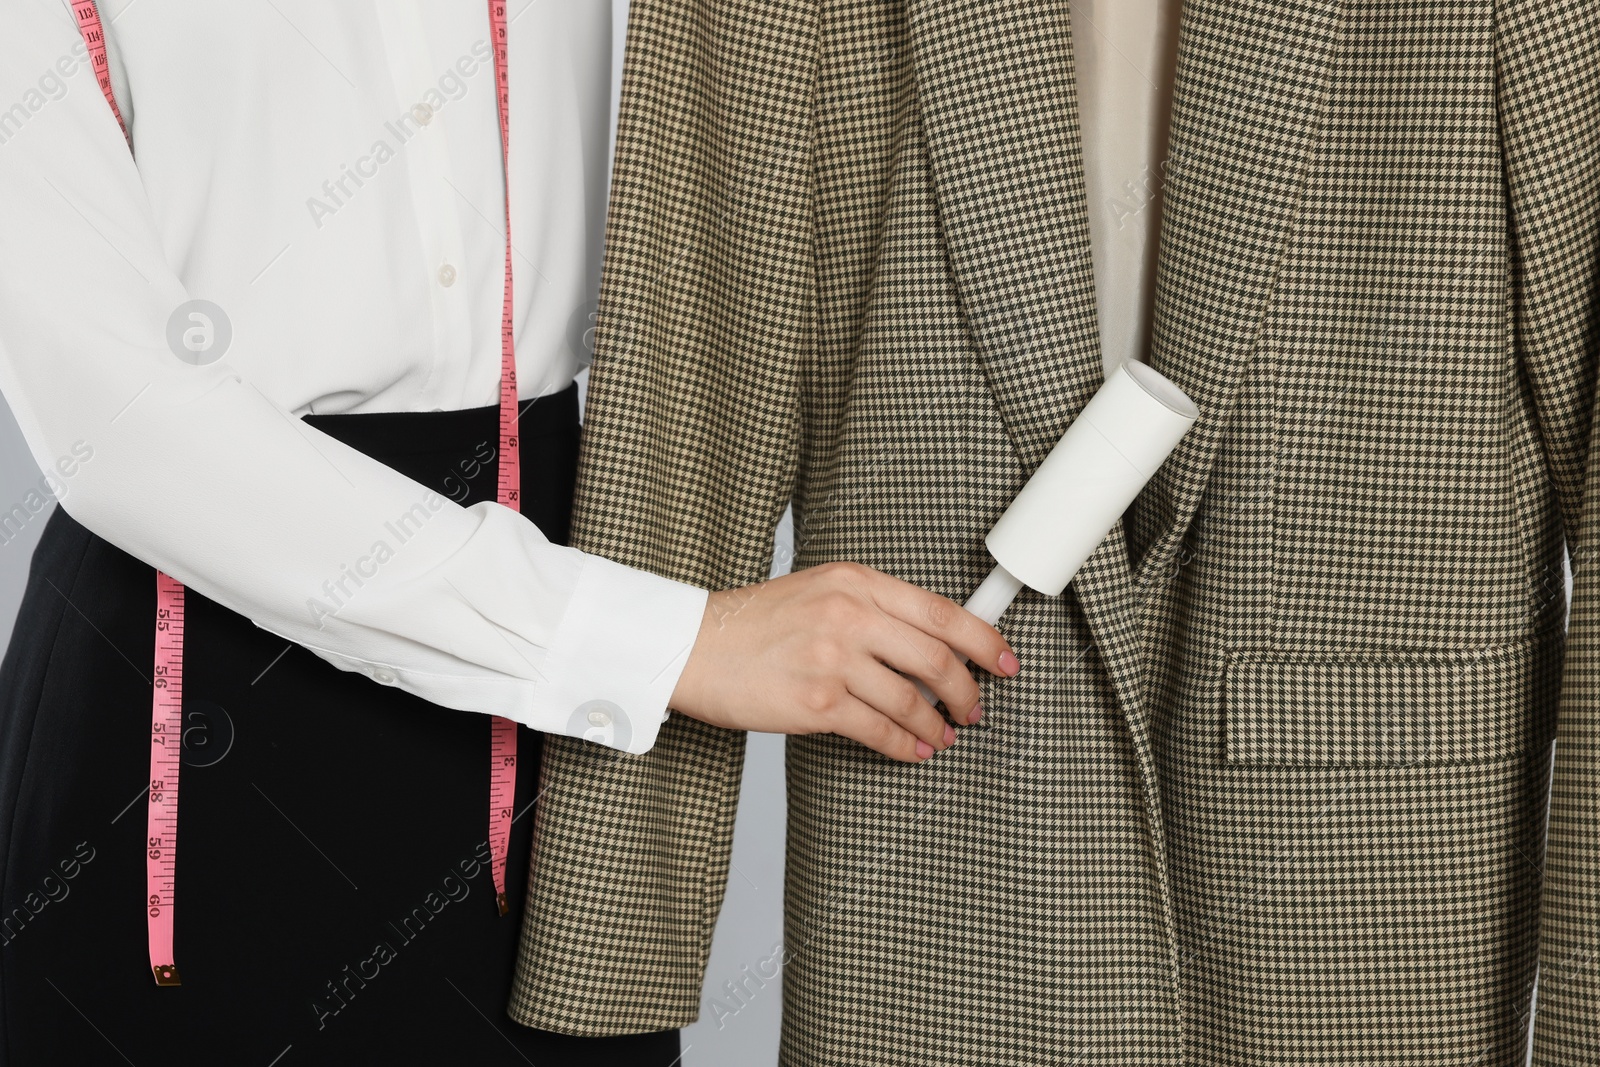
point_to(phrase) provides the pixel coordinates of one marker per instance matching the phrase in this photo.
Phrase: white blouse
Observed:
(327, 175)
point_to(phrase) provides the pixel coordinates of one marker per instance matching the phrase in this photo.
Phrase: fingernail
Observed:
(1009, 666)
(949, 735)
(974, 715)
(924, 750)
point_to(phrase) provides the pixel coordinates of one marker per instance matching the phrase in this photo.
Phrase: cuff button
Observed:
(601, 721)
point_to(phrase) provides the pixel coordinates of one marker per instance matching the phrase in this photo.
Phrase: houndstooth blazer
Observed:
(1270, 787)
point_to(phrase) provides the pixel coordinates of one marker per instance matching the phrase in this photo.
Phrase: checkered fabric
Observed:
(1269, 789)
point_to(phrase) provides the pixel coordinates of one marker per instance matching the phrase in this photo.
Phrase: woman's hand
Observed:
(812, 652)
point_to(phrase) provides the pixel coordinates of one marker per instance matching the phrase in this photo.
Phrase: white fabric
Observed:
(358, 254)
(1126, 54)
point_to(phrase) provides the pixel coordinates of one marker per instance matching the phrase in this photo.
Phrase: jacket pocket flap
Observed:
(1445, 706)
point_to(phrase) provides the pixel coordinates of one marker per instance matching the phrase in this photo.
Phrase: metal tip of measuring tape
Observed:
(166, 975)
(500, 901)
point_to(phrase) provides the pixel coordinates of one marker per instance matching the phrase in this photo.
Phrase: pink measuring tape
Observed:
(166, 713)
(508, 488)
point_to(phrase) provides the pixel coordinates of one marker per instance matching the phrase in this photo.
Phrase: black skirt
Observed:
(334, 902)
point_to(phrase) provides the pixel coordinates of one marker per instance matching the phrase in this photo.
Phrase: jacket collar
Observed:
(1008, 172)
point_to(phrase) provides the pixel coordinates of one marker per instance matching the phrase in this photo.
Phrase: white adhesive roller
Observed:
(1110, 451)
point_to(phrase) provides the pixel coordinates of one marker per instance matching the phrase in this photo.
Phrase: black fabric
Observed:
(334, 901)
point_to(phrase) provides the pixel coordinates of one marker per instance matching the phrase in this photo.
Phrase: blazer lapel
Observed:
(1015, 218)
(1247, 107)
(1010, 186)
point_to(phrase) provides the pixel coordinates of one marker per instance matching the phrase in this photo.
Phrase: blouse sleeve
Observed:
(194, 471)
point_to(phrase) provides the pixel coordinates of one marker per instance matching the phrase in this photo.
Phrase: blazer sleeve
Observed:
(1548, 73)
(705, 333)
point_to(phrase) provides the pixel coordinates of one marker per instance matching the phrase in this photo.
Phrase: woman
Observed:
(258, 355)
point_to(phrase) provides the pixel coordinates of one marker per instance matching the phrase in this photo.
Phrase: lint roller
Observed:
(1114, 446)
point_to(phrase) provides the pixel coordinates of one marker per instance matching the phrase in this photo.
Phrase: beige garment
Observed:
(1125, 53)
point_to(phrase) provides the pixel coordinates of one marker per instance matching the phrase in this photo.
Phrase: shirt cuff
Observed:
(623, 641)
(617, 656)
